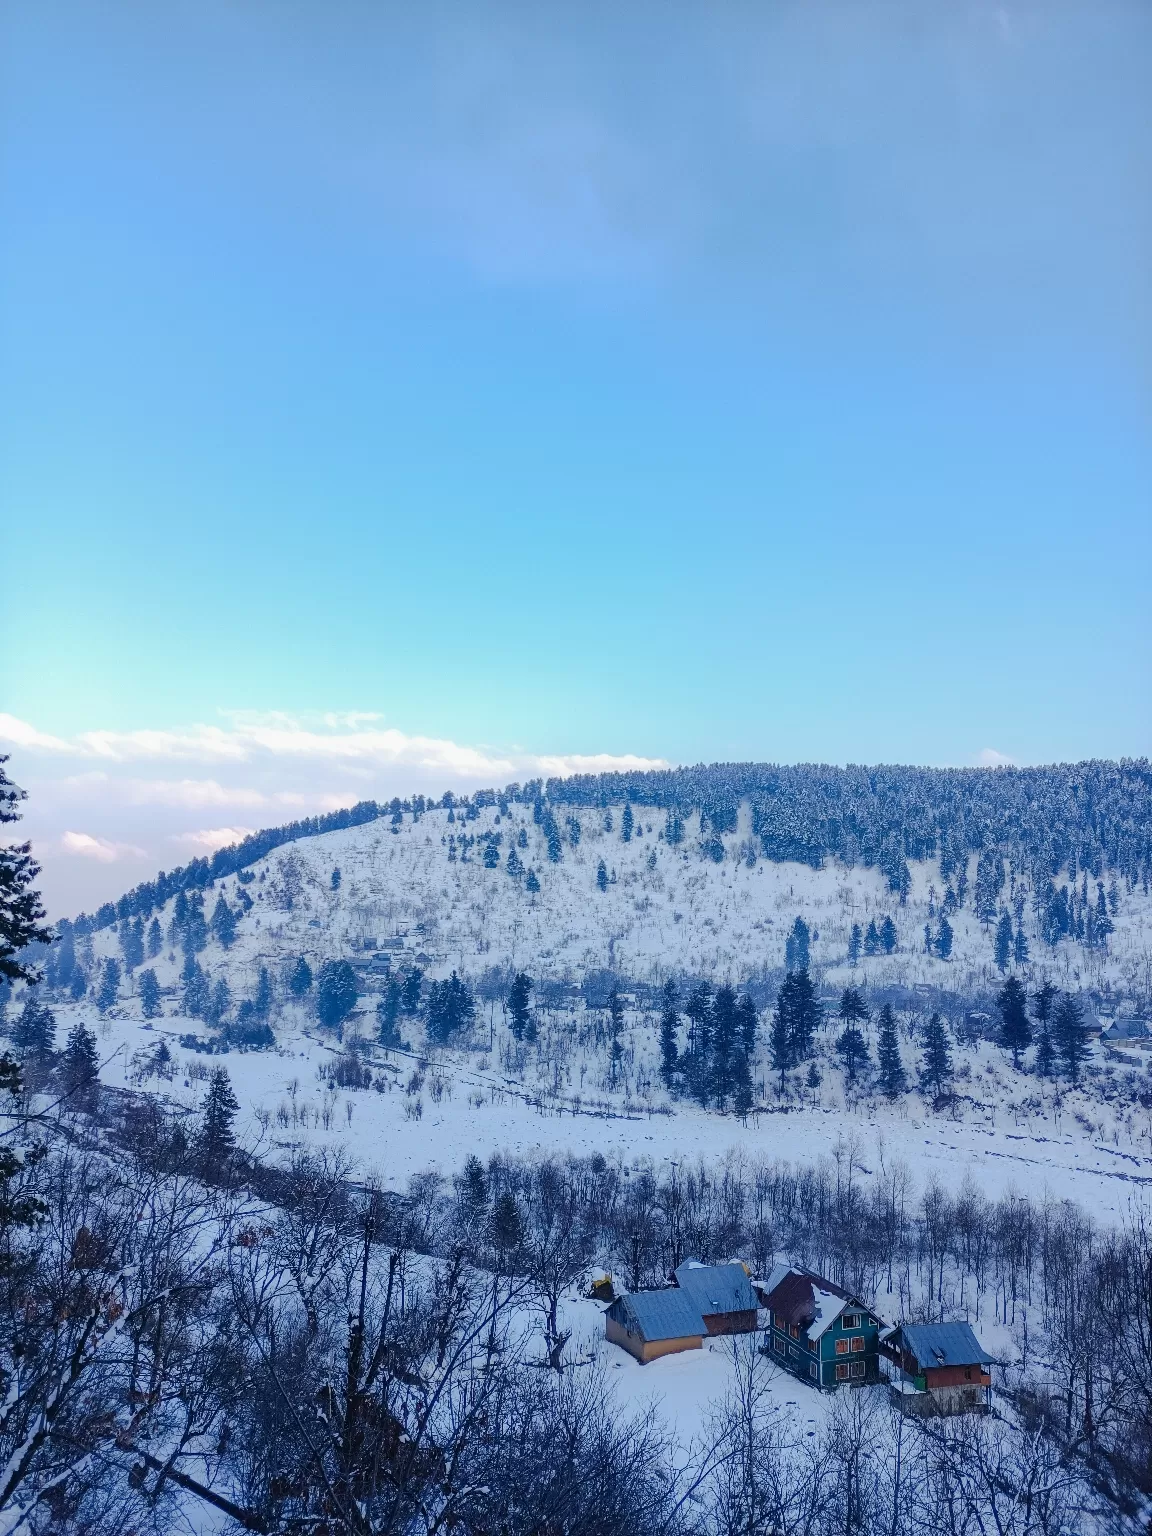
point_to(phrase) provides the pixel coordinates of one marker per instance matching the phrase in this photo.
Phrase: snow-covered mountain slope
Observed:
(664, 910)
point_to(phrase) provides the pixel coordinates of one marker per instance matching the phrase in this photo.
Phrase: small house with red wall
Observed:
(940, 1368)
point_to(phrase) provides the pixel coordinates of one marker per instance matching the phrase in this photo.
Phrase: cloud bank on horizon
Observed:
(106, 807)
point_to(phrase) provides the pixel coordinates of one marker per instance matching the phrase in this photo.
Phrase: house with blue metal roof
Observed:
(940, 1368)
(722, 1293)
(649, 1324)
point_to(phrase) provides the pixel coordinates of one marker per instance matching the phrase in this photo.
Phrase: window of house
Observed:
(857, 1368)
(851, 1320)
(857, 1344)
(842, 1372)
(968, 1373)
(778, 1319)
(842, 1346)
(795, 1330)
(794, 1352)
(813, 1370)
(778, 1346)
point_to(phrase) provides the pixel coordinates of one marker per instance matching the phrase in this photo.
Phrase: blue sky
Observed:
(707, 382)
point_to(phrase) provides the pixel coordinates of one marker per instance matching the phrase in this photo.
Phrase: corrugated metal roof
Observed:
(717, 1287)
(657, 1315)
(939, 1344)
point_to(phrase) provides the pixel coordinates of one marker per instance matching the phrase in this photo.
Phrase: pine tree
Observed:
(741, 1086)
(451, 1009)
(335, 881)
(780, 1040)
(410, 992)
(801, 1009)
(34, 1033)
(1019, 946)
(936, 1065)
(724, 1025)
(1003, 941)
(747, 1021)
(796, 947)
(219, 1003)
(155, 939)
(852, 1009)
(1045, 1053)
(150, 995)
(1043, 1003)
(669, 1024)
(196, 991)
(532, 883)
(109, 988)
(262, 1002)
(626, 824)
(514, 866)
(944, 939)
(337, 991)
(1069, 1036)
(79, 985)
(132, 943)
(520, 1014)
(615, 1025)
(21, 913)
(1015, 1030)
(871, 939)
(81, 1067)
(215, 1141)
(888, 936)
(601, 876)
(491, 855)
(854, 941)
(223, 923)
(893, 1078)
(473, 1189)
(388, 1015)
(505, 1228)
(300, 977)
(853, 1047)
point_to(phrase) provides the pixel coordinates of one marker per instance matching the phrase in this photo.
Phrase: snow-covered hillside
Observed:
(664, 911)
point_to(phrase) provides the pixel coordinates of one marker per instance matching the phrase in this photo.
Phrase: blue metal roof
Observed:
(658, 1315)
(717, 1287)
(937, 1344)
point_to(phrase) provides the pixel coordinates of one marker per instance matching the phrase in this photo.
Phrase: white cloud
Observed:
(192, 793)
(211, 838)
(988, 757)
(85, 846)
(20, 734)
(280, 738)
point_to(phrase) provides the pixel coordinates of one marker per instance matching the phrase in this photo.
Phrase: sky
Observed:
(401, 398)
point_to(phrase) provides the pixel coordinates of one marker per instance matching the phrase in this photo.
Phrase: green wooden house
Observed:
(821, 1333)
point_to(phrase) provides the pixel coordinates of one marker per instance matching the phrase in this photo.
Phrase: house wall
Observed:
(648, 1349)
(956, 1376)
(730, 1322)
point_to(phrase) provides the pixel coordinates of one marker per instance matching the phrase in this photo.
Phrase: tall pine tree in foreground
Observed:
(21, 914)
(893, 1078)
(1003, 942)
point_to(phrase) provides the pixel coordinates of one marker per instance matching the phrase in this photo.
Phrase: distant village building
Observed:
(820, 1332)
(1121, 1031)
(722, 1293)
(649, 1324)
(940, 1368)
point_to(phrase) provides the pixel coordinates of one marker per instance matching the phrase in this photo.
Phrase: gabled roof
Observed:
(939, 1344)
(716, 1288)
(658, 1315)
(809, 1301)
